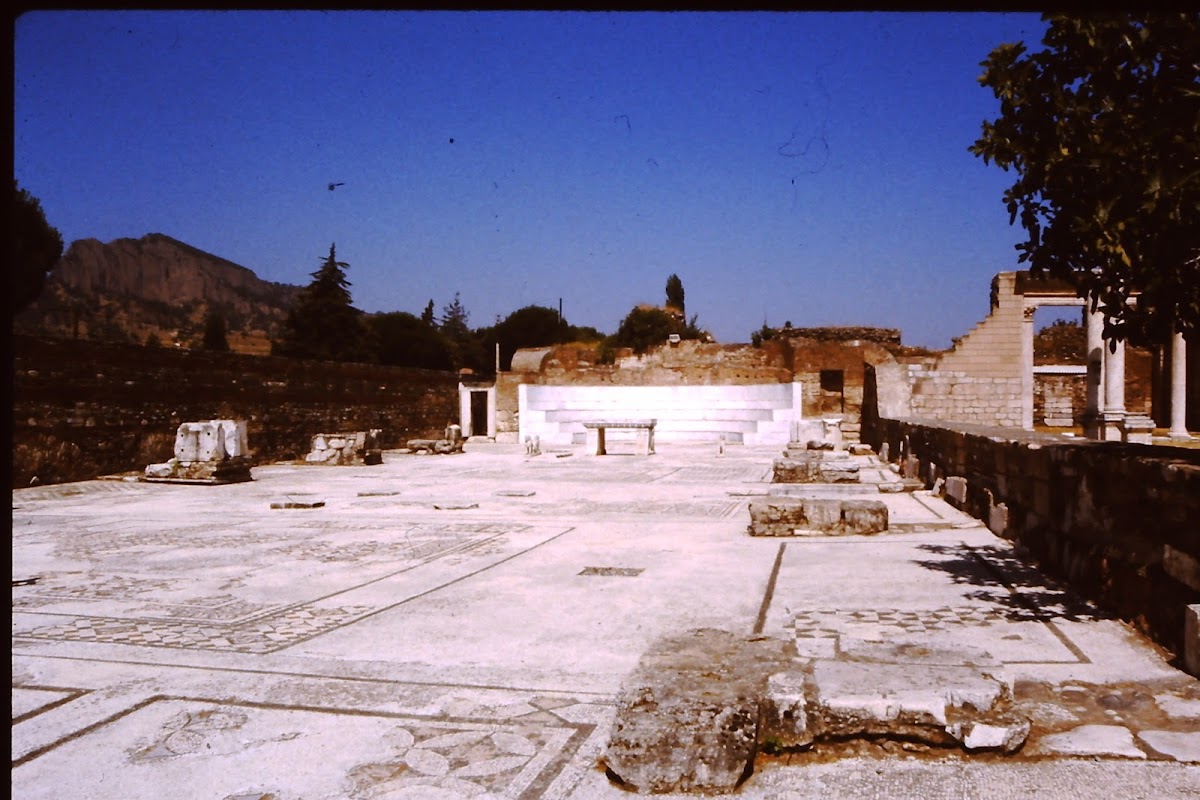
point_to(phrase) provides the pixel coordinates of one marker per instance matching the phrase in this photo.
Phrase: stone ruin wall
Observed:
(791, 357)
(688, 363)
(980, 380)
(83, 409)
(1118, 521)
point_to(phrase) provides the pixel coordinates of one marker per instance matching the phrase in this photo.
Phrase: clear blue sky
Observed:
(810, 167)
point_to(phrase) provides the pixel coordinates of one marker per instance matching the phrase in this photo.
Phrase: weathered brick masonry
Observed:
(1119, 521)
(82, 409)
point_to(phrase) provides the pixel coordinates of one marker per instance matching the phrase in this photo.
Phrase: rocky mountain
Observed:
(155, 289)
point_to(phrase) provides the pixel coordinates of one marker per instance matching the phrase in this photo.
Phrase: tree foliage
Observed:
(36, 248)
(1102, 128)
(323, 324)
(403, 340)
(675, 295)
(215, 332)
(467, 350)
(646, 326)
(531, 326)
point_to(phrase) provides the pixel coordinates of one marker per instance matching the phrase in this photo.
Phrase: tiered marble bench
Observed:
(596, 430)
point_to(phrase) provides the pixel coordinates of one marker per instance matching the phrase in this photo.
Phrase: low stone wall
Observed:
(1118, 521)
(83, 409)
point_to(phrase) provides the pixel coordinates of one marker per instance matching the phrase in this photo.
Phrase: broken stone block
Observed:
(343, 449)
(795, 470)
(814, 467)
(1007, 736)
(860, 449)
(819, 516)
(956, 491)
(939, 705)
(784, 722)
(835, 472)
(453, 444)
(212, 451)
(688, 716)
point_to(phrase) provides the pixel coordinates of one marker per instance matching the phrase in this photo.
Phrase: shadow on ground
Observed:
(1018, 588)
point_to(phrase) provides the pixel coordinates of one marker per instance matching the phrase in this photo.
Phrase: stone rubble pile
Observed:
(451, 442)
(344, 449)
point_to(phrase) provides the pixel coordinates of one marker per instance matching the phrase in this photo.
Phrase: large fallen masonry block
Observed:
(212, 451)
(700, 705)
(817, 516)
(688, 717)
(814, 467)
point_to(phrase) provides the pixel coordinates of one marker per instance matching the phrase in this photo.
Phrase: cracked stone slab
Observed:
(873, 698)
(1179, 745)
(940, 704)
(1178, 707)
(1091, 740)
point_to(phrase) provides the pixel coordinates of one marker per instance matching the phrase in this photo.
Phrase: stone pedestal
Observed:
(595, 441)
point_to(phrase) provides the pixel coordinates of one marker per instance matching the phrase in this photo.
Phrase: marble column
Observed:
(1178, 387)
(1114, 391)
(1027, 367)
(1094, 325)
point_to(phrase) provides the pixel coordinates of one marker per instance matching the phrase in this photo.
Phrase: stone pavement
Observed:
(460, 626)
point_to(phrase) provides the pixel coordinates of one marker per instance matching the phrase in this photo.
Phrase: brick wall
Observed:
(82, 409)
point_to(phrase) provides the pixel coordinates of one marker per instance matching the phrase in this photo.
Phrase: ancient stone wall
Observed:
(1059, 401)
(1117, 520)
(981, 379)
(827, 371)
(82, 409)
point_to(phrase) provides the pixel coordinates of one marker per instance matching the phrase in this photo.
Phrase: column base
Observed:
(1137, 429)
(1112, 426)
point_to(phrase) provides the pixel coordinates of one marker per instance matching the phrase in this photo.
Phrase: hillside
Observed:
(155, 288)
